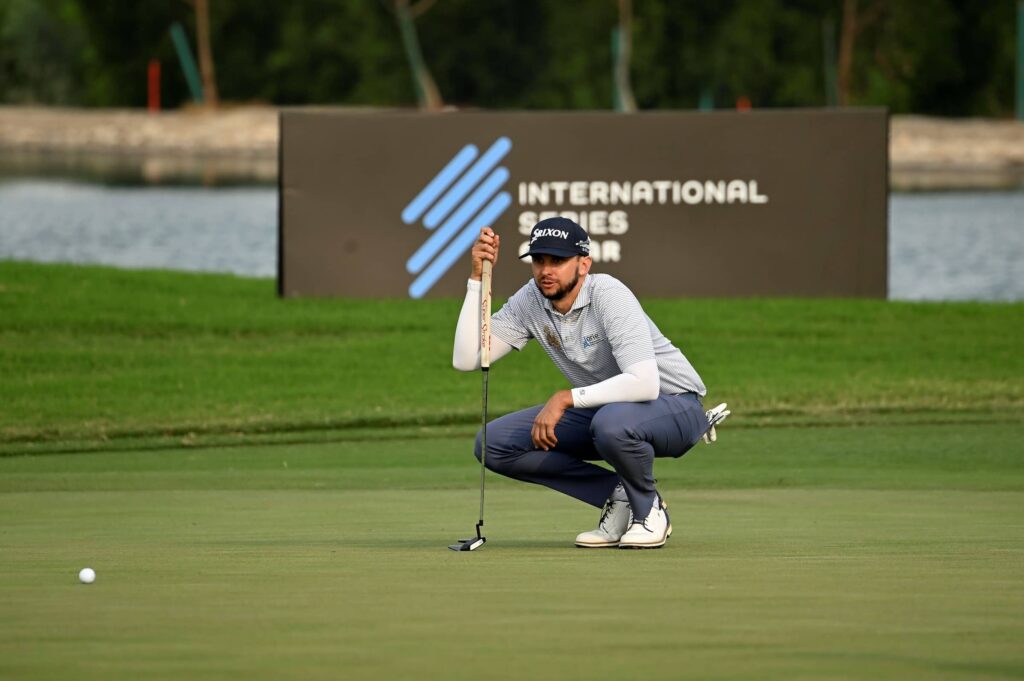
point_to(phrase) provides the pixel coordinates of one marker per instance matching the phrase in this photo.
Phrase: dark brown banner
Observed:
(770, 203)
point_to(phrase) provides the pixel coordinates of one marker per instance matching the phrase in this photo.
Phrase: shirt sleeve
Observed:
(625, 325)
(466, 354)
(640, 382)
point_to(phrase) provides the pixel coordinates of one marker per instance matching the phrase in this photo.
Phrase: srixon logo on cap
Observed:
(538, 233)
(558, 236)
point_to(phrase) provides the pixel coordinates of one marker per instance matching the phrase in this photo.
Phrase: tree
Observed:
(940, 57)
(768, 52)
(854, 21)
(907, 58)
(40, 41)
(210, 95)
(623, 42)
(426, 90)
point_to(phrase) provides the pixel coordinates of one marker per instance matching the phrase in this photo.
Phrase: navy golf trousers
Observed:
(626, 435)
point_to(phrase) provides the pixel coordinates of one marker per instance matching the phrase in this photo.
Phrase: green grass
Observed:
(265, 489)
(93, 355)
(878, 552)
(972, 457)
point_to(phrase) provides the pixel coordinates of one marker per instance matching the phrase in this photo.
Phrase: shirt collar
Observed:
(583, 298)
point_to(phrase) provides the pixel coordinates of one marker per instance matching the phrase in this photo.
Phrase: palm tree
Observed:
(622, 42)
(854, 21)
(210, 96)
(427, 94)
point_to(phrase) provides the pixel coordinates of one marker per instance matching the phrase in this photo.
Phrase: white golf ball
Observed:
(87, 576)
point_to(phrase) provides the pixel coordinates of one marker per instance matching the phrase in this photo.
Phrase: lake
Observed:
(942, 246)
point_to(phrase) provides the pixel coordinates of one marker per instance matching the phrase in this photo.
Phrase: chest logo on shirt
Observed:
(552, 338)
(591, 340)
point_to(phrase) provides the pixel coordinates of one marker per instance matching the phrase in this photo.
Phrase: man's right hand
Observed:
(485, 248)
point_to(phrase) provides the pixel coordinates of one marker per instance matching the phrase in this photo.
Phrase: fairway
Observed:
(792, 557)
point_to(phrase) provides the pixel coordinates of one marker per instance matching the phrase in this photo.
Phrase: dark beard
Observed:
(561, 292)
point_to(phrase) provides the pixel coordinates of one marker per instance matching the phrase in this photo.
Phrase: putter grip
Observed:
(485, 316)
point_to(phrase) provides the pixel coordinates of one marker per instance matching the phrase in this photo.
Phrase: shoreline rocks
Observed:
(240, 145)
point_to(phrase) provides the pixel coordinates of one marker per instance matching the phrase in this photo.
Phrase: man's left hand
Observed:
(715, 416)
(543, 432)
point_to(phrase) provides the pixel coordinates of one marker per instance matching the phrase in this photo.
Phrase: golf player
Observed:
(634, 395)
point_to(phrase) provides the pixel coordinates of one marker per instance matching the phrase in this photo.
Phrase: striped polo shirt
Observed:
(605, 331)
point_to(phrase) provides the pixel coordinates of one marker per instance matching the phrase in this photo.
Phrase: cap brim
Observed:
(560, 252)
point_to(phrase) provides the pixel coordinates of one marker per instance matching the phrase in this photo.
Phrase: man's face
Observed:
(556, 276)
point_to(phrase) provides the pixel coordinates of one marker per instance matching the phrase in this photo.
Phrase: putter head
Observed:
(471, 544)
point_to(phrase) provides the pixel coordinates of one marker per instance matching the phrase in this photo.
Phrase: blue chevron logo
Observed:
(463, 197)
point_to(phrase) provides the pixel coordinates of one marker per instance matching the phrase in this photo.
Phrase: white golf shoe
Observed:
(615, 518)
(650, 533)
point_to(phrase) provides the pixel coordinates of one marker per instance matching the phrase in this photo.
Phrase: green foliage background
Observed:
(943, 57)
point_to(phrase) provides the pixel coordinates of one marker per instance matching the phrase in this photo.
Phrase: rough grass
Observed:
(91, 355)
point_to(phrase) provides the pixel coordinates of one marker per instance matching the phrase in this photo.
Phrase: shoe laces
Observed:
(609, 506)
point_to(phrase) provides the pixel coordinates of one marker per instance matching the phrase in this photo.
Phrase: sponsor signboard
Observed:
(772, 203)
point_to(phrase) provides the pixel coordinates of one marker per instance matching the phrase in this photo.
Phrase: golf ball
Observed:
(87, 576)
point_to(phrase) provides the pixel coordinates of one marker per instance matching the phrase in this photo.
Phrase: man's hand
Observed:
(543, 431)
(485, 248)
(715, 416)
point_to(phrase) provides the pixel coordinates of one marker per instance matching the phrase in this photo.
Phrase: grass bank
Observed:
(98, 358)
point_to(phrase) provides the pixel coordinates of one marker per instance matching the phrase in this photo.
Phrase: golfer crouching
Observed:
(634, 395)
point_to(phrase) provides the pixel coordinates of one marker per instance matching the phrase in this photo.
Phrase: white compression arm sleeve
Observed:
(638, 383)
(466, 356)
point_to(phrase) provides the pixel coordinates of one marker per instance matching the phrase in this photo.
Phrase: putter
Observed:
(473, 543)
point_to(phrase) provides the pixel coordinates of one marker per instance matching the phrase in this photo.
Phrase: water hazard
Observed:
(942, 246)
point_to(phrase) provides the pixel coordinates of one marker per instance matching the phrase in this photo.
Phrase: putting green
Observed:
(881, 552)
